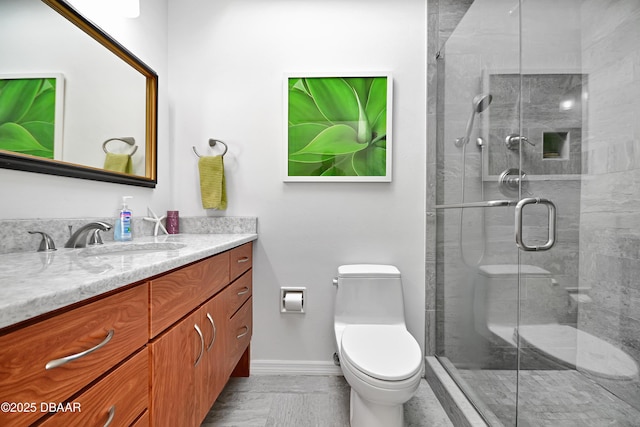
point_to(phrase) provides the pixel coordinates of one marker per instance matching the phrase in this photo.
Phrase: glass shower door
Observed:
(479, 92)
(579, 319)
(538, 211)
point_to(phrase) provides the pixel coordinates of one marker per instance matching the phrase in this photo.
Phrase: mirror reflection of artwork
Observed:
(31, 115)
(108, 93)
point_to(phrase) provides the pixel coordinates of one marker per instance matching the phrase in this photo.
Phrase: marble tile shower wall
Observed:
(552, 105)
(443, 17)
(610, 202)
(15, 237)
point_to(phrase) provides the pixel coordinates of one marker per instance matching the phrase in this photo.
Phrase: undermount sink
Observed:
(120, 249)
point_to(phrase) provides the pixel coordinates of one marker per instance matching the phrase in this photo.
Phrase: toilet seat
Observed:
(382, 352)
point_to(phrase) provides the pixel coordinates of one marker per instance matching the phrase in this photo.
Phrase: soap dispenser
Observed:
(122, 230)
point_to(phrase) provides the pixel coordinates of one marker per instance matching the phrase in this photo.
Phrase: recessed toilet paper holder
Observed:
(293, 299)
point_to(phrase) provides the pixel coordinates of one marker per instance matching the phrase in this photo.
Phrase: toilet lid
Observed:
(368, 270)
(385, 352)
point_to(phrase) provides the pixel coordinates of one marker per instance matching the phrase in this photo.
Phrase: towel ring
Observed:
(213, 142)
(126, 139)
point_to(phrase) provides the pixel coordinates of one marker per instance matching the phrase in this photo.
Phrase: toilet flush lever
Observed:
(335, 281)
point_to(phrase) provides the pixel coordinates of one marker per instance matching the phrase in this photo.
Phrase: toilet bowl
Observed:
(494, 302)
(380, 359)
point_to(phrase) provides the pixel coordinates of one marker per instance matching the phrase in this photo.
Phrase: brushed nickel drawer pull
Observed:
(112, 414)
(243, 291)
(246, 331)
(213, 326)
(243, 259)
(64, 360)
(197, 328)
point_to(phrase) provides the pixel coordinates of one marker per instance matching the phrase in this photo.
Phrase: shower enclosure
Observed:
(538, 210)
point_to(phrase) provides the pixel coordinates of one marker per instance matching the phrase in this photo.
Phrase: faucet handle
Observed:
(512, 141)
(96, 238)
(46, 244)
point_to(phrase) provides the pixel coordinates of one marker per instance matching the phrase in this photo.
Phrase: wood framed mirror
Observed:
(73, 101)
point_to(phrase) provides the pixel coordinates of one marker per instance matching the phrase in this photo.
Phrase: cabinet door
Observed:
(211, 375)
(173, 358)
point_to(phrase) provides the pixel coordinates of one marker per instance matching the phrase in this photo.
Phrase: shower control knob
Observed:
(335, 281)
(511, 181)
(512, 141)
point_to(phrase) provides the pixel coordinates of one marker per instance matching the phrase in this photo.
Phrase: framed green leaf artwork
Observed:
(338, 128)
(31, 107)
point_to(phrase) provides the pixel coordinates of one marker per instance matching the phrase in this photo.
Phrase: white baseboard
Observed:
(294, 367)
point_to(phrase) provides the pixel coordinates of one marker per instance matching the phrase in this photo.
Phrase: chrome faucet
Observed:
(79, 238)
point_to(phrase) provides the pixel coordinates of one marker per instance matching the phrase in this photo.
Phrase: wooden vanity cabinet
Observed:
(33, 370)
(213, 376)
(161, 351)
(240, 319)
(192, 359)
(187, 373)
(173, 375)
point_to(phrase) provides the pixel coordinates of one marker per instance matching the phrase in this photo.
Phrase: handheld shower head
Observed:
(481, 102)
(478, 105)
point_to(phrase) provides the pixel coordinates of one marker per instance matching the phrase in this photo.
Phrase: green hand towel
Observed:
(118, 163)
(212, 186)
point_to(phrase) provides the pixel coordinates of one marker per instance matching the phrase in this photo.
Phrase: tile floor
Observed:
(550, 398)
(306, 401)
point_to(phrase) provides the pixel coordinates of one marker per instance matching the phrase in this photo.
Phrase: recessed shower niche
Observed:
(552, 123)
(555, 145)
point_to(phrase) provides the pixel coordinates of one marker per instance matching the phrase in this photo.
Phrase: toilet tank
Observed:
(369, 294)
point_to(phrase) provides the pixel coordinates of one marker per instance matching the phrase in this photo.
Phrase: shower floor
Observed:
(549, 398)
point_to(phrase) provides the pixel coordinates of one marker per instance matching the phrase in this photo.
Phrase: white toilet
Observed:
(380, 359)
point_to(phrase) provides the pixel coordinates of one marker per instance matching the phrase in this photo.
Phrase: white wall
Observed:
(30, 195)
(227, 60)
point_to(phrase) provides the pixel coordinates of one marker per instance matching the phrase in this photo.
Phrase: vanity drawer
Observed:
(175, 294)
(237, 293)
(98, 336)
(240, 260)
(143, 421)
(120, 396)
(239, 334)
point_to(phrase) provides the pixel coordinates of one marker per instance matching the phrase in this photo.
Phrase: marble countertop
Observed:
(34, 283)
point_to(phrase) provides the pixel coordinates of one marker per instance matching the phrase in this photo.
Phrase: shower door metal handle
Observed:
(551, 208)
